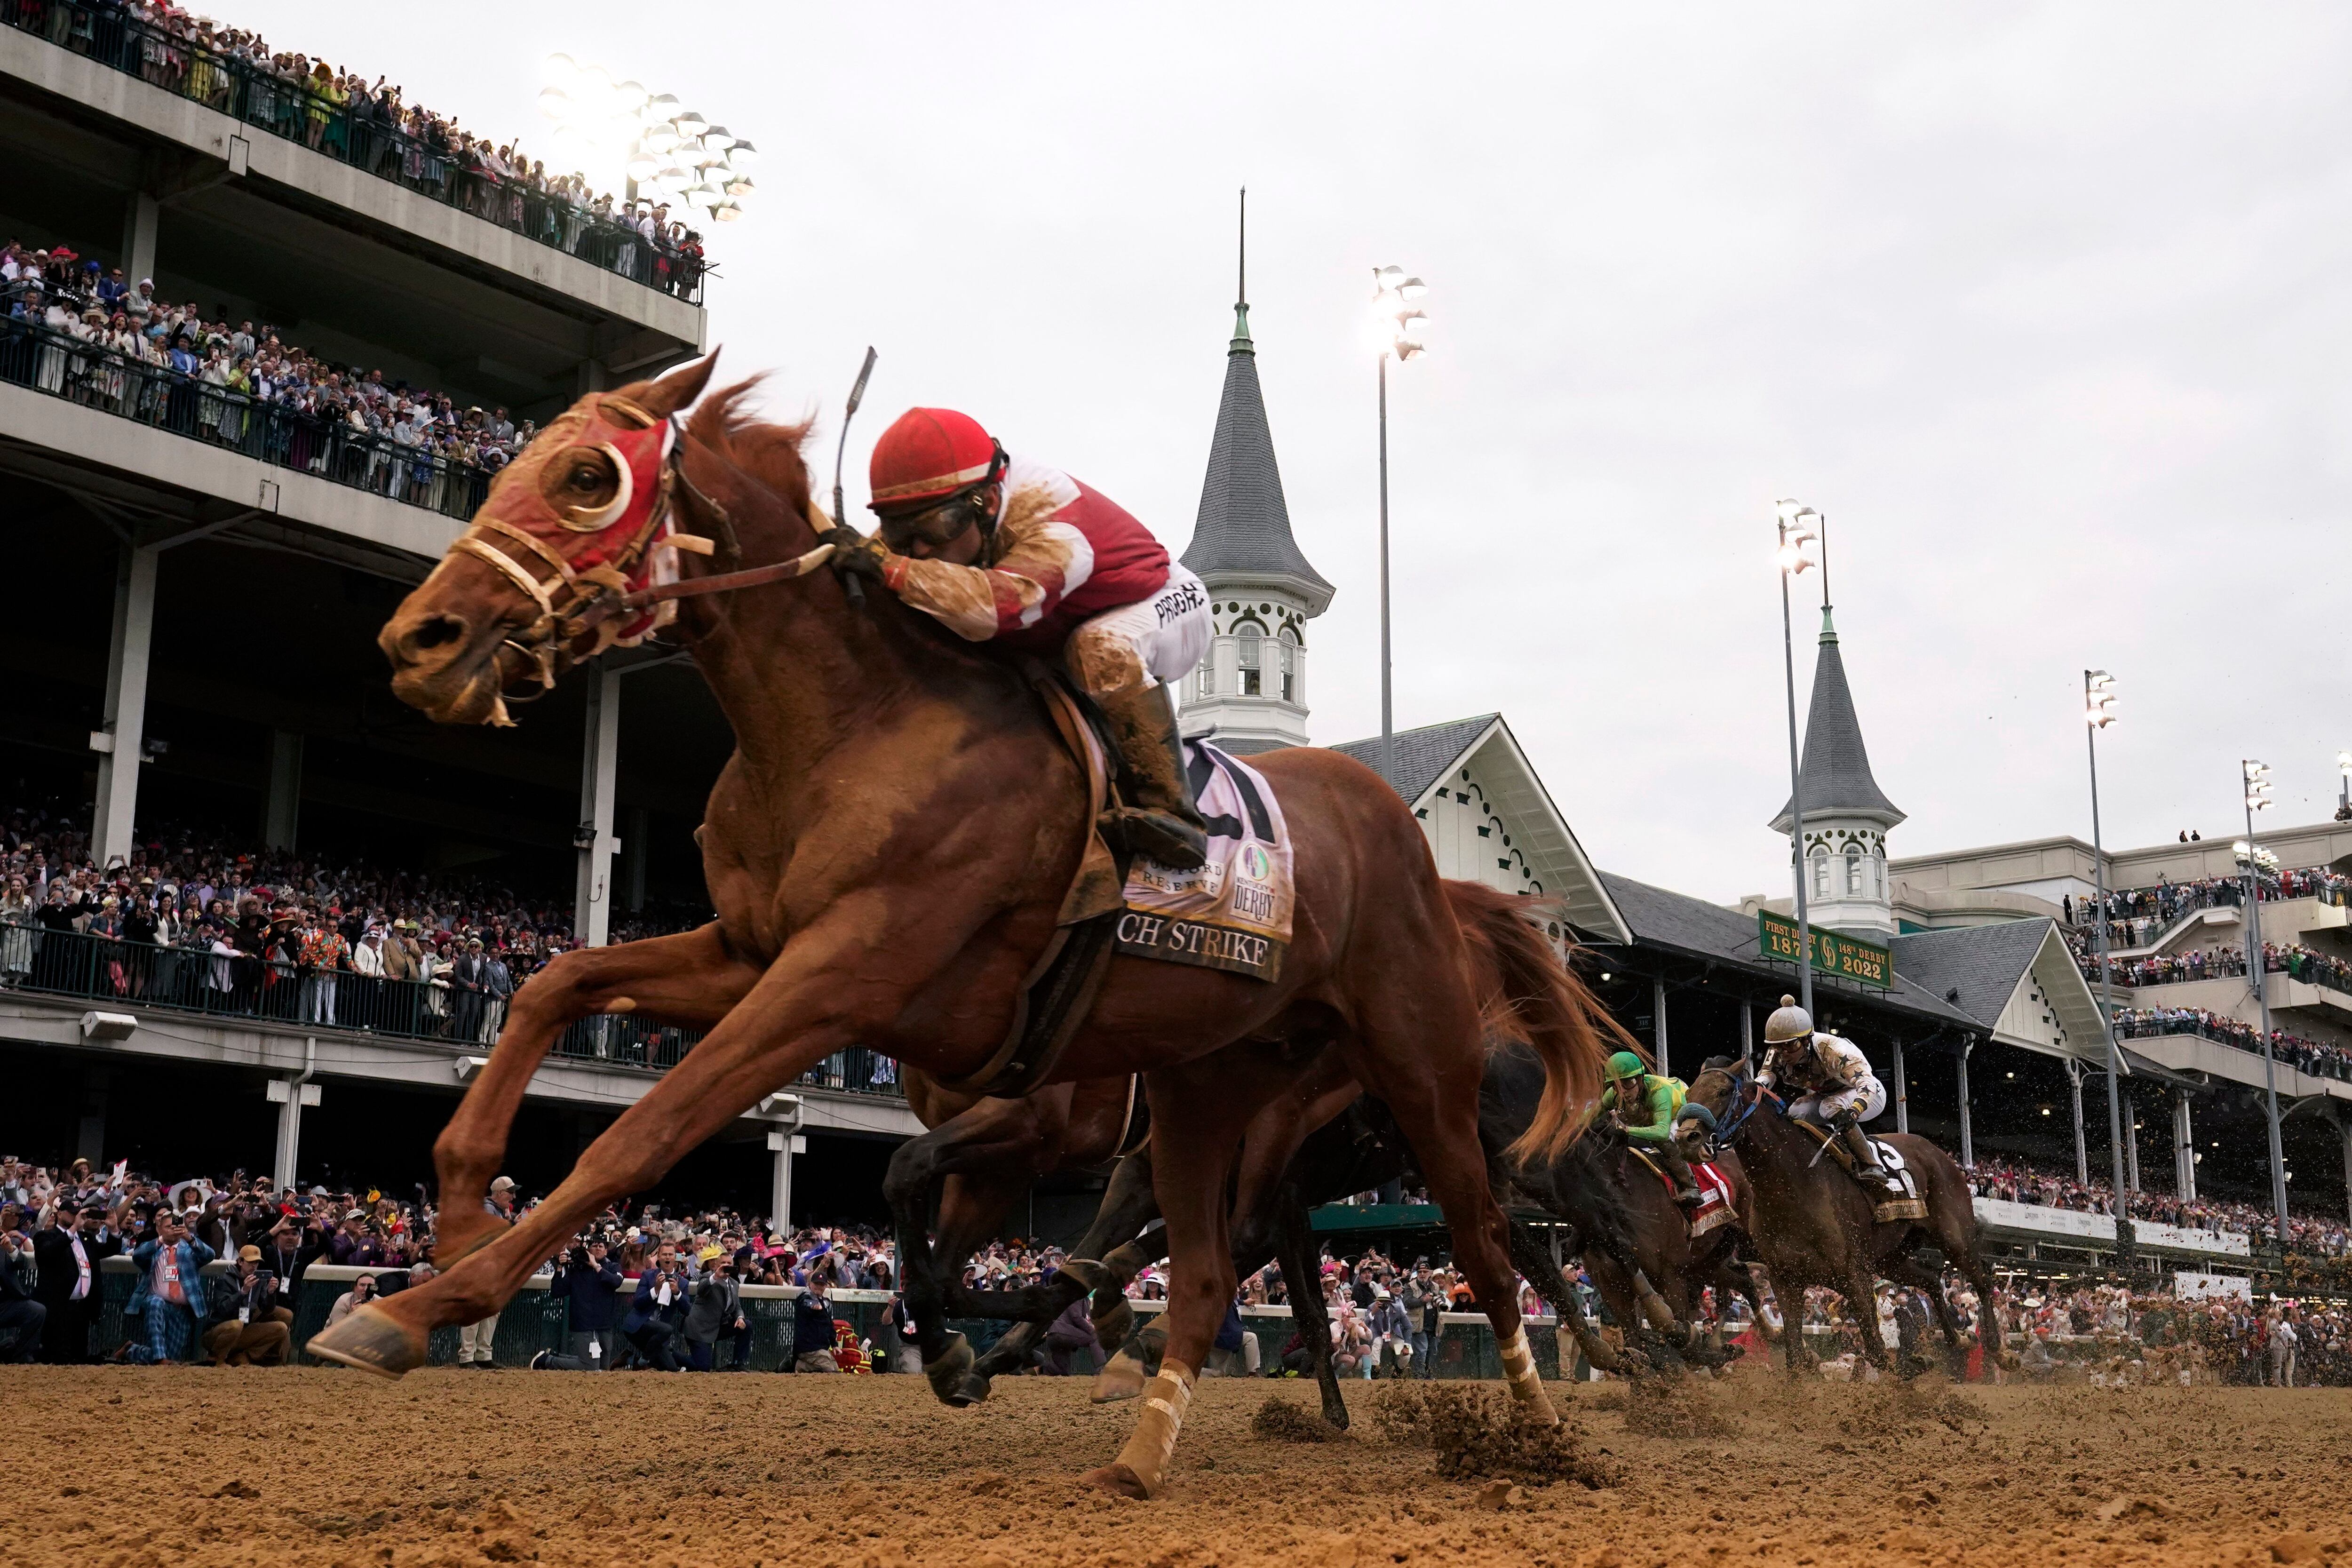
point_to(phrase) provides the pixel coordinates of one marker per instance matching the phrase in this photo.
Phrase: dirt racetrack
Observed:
(123, 1468)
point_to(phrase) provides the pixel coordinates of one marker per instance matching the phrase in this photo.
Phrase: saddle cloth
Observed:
(1907, 1204)
(1715, 1206)
(1233, 913)
(1910, 1205)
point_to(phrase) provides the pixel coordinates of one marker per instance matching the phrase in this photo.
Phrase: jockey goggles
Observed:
(938, 522)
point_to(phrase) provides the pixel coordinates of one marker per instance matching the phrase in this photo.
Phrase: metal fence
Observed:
(261, 98)
(135, 975)
(97, 377)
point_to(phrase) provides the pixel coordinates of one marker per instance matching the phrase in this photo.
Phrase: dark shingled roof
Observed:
(1421, 755)
(1836, 774)
(1243, 527)
(1983, 964)
(1663, 918)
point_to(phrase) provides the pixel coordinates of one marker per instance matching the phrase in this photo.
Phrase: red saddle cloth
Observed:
(1714, 1206)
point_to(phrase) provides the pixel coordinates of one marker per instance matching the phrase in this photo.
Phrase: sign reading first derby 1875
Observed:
(1864, 963)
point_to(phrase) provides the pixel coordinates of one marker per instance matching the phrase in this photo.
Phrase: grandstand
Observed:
(221, 484)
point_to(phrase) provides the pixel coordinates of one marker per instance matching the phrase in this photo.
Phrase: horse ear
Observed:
(679, 388)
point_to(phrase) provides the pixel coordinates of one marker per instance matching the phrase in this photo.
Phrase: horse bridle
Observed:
(608, 597)
(1748, 1096)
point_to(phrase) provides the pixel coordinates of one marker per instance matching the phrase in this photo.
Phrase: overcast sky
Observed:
(2044, 307)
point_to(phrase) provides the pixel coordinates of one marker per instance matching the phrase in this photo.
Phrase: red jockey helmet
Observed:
(930, 454)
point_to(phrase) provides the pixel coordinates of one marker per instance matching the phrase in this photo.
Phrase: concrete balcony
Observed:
(130, 1030)
(202, 485)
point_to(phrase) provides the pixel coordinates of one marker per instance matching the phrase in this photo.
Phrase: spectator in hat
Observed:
(717, 1312)
(475, 1340)
(256, 1331)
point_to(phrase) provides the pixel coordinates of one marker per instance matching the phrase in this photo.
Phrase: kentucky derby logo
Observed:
(1254, 863)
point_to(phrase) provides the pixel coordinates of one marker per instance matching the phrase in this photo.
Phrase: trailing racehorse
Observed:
(889, 850)
(1812, 1224)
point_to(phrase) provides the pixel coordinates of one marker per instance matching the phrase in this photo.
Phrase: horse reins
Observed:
(599, 598)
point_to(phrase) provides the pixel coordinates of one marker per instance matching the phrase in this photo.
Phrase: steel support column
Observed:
(2131, 1142)
(1967, 1136)
(2184, 1148)
(1658, 1027)
(1747, 1033)
(2081, 1149)
(1902, 1092)
(118, 745)
(592, 911)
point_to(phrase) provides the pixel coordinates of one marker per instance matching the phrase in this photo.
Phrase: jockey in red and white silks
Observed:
(1012, 551)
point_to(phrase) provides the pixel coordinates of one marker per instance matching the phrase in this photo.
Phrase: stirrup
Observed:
(1156, 836)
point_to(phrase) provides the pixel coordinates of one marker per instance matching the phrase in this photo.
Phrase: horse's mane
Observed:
(768, 451)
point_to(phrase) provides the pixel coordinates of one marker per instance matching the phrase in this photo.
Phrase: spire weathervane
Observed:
(1241, 344)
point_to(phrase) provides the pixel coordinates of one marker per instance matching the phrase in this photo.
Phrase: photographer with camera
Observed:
(590, 1281)
(256, 1331)
(657, 1313)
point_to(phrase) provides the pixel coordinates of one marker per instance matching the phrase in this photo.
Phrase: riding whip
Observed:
(849, 583)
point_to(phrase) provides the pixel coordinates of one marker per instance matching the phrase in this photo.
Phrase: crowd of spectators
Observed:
(79, 329)
(371, 126)
(195, 920)
(2316, 1057)
(2137, 916)
(2020, 1182)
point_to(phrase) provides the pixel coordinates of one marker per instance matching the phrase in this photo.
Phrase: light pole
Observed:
(656, 141)
(1401, 323)
(1799, 526)
(2257, 779)
(2343, 790)
(2098, 712)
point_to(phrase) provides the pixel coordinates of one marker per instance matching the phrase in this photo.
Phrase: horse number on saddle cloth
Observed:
(1233, 913)
(1909, 1204)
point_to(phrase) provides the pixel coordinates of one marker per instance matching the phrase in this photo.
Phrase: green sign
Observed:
(1864, 963)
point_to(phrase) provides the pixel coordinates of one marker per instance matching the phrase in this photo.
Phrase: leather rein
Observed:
(604, 598)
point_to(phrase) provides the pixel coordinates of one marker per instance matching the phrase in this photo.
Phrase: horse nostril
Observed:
(434, 631)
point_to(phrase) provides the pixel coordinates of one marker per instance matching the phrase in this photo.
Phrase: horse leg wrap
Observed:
(1153, 1442)
(1519, 1371)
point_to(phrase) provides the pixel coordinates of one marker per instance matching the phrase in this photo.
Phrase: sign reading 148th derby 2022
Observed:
(1865, 962)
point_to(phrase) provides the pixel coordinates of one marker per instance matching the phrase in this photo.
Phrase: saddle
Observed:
(1906, 1205)
(1233, 913)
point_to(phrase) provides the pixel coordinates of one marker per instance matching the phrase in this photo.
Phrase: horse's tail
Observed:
(1526, 993)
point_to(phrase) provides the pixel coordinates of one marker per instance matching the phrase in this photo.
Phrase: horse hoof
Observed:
(370, 1341)
(1335, 1415)
(1118, 1479)
(972, 1390)
(1122, 1377)
(946, 1374)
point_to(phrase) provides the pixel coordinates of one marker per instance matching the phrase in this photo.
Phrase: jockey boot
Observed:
(1866, 1159)
(1161, 825)
(1687, 1192)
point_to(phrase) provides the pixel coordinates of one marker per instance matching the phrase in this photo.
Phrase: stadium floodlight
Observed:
(649, 137)
(1398, 326)
(2098, 699)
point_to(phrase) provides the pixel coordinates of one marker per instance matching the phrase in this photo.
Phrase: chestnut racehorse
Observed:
(888, 851)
